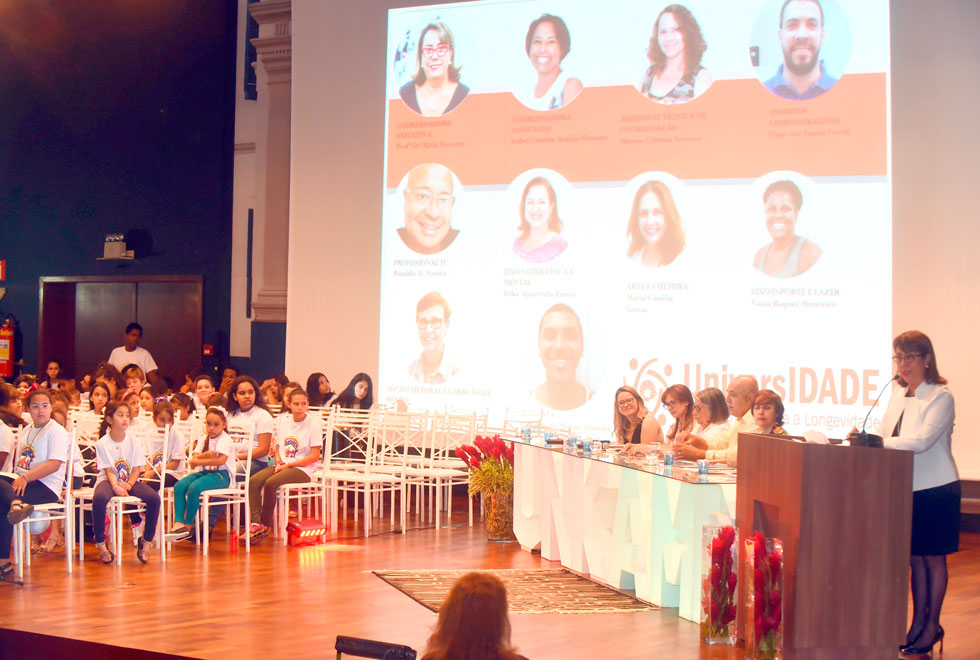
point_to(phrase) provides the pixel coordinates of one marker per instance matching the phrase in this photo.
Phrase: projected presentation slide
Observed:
(582, 195)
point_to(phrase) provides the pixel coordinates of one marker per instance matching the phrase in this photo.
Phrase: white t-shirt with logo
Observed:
(124, 457)
(38, 446)
(295, 440)
(222, 445)
(245, 425)
(176, 448)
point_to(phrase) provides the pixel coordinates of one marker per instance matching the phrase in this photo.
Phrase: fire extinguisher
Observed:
(7, 348)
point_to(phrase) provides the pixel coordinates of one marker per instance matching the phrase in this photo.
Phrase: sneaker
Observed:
(260, 534)
(255, 527)
(181, 535)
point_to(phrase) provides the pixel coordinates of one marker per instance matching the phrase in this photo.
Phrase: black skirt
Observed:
(936, 520)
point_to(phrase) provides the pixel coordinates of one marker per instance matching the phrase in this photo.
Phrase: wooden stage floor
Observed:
(280, 602)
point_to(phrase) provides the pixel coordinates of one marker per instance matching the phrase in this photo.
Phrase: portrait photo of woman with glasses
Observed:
(436, 364)
(436, 88)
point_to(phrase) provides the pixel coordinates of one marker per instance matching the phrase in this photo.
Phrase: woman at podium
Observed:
(919, 418)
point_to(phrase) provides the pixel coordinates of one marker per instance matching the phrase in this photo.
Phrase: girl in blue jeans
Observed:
(217, 462)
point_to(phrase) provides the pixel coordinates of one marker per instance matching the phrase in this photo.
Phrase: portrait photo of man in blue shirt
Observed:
(802, 75)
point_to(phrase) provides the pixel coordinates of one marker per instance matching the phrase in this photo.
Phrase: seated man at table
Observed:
(740, 395)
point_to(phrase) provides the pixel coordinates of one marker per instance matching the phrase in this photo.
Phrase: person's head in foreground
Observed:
(473, 622)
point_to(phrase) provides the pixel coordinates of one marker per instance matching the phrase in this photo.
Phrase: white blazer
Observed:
(927, 429)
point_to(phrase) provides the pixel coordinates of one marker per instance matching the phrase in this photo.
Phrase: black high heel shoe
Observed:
(922, 650)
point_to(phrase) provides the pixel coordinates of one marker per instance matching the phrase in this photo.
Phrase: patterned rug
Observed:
(529, 591)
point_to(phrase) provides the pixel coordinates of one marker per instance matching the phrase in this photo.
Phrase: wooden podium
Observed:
(844, 516)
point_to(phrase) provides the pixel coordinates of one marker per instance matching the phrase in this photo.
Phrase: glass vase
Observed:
(763, 579)
(499, 518)
(719, 590)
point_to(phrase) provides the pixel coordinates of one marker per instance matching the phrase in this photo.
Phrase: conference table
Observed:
(633, 524)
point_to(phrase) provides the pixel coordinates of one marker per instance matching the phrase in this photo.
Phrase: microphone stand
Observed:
(864, 439)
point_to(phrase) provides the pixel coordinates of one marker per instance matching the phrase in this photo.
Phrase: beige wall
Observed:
(935, 59)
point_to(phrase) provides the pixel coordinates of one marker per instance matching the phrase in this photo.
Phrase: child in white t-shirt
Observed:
(42, 452)
(120, 462)
(163, 418)
(216, 458)
(299, 438)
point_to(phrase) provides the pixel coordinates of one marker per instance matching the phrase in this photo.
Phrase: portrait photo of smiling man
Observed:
(803, 74)
(428, 205)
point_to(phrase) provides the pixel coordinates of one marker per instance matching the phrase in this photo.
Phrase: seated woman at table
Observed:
(635, 426)
(679, 402)
(767, 411)
(711, 425)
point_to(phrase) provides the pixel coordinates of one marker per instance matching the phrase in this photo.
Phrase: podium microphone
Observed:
(863, 439)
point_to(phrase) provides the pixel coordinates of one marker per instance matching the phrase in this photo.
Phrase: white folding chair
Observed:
(60, 510)
(352, 464)
(231, 498)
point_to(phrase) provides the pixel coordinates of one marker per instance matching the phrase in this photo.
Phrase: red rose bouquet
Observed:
(718, 589)
(764, 605)
(491, 465)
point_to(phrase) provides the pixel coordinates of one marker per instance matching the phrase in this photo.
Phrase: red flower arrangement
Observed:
(765, 599)
(491, 465)
(718, 593)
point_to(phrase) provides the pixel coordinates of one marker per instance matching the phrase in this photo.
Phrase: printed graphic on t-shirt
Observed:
(26, 457)
(157, 460)
(290, 446)
(122, 469)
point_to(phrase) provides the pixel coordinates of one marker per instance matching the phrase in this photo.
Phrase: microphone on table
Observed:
(864, 439)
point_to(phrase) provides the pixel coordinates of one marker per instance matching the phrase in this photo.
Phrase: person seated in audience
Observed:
(216, 458)
(147, 399)
(358, 394)
(634, 425)
(289, 387)
(740, 397)
(43, 450)
(108, 374)
(132, 401)
(11, 407)
(183, 405)
(53, 375)
(23, 384)
(203, 389)
(99, 397)
(228, 375)
(217, 399)
(272, 389)
(679, 402)
(767, 411)
(190, 378)
(74, 396)
(249, 422)
(318, 389)
(710, 420)
(299, 437)
(132, 353)
(473, 622)
(163, 419)
(120, 461)
(133, 377)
